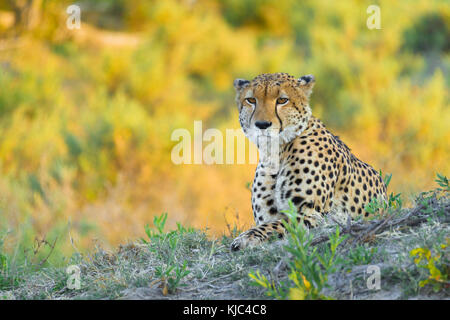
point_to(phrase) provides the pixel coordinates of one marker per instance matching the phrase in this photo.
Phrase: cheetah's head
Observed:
(275, 105)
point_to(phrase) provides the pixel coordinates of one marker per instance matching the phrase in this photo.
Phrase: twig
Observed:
(52, 247)
(361, 231)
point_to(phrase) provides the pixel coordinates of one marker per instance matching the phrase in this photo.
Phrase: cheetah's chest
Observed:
(284, 184)
(271, 192)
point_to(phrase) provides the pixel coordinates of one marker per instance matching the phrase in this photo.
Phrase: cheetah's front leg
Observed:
(263, 232)
(258, 234)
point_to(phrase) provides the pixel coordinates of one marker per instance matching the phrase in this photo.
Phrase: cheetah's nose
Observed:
(263, 124)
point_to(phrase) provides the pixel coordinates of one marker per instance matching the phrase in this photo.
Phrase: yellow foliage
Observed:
(424, 258)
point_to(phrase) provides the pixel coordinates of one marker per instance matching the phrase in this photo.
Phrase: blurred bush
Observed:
(431, 33)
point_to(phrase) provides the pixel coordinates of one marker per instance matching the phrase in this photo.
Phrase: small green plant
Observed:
(171, 276)
(425, 198)
(159, 222)
(436, 264)
(361, 255)
(3, 264)
(442, 181)
(164, 245)
(380, 206)
(309, 269)
(272, 290)
(387, 178)
(9, 276)
(3, 257)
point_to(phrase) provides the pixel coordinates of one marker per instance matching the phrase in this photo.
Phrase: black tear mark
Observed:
(279, 119)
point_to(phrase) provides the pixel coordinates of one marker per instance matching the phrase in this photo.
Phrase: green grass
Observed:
(186, 263)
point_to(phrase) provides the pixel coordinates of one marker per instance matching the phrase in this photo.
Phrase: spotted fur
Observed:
(316, 170)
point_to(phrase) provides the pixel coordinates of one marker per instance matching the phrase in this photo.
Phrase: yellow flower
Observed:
(297, 294)
(306, 282)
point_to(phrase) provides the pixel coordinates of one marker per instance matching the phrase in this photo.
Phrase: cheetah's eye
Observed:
(251, 100)
(282, 100)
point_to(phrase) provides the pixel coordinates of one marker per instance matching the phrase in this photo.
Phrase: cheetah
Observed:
(315, 170)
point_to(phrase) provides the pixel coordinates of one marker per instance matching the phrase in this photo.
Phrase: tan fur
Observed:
(317, 171)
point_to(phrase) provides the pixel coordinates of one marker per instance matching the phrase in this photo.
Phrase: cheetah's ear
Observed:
(240, 84)
(307, 83)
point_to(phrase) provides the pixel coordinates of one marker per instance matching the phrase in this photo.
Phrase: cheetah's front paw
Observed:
(245, 240)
